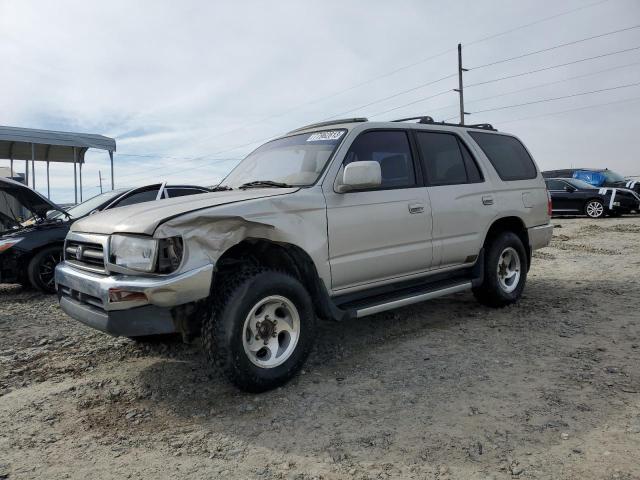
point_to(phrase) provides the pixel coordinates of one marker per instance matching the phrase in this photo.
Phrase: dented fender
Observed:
(297, 219)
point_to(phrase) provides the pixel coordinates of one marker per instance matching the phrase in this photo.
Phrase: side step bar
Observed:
(420, 297)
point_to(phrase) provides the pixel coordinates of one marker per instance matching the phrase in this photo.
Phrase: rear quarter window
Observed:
(507, 155)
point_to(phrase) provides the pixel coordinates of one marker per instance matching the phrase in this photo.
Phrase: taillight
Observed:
(549, 205)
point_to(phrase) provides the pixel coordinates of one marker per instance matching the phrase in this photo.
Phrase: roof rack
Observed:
(429, 120)
(425, 119)
(331, 122)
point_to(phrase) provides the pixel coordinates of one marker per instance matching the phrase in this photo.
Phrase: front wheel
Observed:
(42, 267)
(261, 328)
(594, 209)
(505, 271)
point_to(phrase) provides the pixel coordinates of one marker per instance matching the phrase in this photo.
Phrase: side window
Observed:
(507, 155)
(138, 197)
(182, 192)
(391, 150)
(555, 185)
(446, 160)
(473, 172)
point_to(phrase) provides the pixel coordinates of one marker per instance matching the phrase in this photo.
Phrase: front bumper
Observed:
(540, 236)
(86, 297)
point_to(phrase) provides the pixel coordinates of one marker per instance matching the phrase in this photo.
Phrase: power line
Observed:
(504, 60)
(510, 92)
(618, 87)
(405, 67)
(627, 100)
(491, 37)
(529, 72)
(423, 99)
(207, 158)
(393, 96)
(380, 77)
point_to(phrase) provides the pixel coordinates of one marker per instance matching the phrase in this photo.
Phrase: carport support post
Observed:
(48, 187)
(11, 167)
(80, 182)
(111, 158)
(26, 172)
(75, 175)
(33, 165)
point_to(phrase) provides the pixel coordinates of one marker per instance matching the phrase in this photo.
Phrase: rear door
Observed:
(461, 200)
(562, 199)
(380, 234)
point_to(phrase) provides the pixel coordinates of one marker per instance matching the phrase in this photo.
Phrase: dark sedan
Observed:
(570, 196)
(30, 249)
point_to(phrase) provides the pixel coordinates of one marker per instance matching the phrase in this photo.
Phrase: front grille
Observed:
(88, 256)
(81, 297)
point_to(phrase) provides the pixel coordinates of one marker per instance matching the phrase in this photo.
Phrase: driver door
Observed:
(382, 234)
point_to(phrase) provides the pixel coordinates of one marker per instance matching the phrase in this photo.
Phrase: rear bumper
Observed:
(85, 296)
(540, 236)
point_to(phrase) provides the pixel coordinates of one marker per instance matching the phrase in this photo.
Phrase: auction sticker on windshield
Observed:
(330, 135)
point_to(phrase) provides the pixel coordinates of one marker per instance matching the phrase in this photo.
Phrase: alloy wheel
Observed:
(271, 331)
(509, 269)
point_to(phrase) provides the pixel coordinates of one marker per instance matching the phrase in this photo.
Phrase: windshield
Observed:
(612, 176)
(85, 208)
(579, 183)
(297, 160)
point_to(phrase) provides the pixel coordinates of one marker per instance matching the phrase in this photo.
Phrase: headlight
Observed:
(6, 244)
(136, 253)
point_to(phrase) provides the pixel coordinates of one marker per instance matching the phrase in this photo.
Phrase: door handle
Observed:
(487, 200)
(416, 208)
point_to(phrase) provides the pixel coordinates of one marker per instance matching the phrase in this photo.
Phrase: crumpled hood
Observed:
(144, 218)
(30, 199)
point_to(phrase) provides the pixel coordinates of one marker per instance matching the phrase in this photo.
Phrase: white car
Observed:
(335, 220)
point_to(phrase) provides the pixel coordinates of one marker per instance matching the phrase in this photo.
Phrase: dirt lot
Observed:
(549, 388)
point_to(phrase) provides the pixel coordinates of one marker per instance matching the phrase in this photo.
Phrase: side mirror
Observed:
(569, 189)
(360, 175)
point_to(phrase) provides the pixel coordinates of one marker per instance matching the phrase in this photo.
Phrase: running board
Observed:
(420, 297)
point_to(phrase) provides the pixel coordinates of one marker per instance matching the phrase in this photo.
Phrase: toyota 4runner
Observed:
(335, 220)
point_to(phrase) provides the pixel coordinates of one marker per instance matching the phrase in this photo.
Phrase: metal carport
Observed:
(51, 146)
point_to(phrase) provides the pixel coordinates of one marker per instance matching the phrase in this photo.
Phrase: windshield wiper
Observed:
(264, 183)
(221, 188)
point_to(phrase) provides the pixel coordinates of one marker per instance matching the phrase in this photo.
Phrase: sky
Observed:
(188, 88)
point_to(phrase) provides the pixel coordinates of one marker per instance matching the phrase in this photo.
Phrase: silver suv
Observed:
(335, 220)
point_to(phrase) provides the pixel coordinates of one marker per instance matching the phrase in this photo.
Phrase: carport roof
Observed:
(49, 145)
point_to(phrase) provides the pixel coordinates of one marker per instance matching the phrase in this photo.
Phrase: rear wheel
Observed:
(261, 328)
(505, 271)
(41, 269)
(594, 209)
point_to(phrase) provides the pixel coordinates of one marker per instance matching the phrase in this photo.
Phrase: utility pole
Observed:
(100, 177)
(460, 88)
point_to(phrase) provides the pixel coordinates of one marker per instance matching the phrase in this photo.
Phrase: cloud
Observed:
(197, 84)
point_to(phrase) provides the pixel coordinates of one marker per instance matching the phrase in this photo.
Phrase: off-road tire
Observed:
(232, 300)
(490, 293)
(44, 259)
(598, 205)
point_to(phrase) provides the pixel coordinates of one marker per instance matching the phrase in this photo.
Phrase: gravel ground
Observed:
(448, 389)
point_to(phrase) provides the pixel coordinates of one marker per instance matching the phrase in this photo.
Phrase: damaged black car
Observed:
(33, 229)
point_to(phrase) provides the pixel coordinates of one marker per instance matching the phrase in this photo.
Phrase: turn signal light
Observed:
(116, 295)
